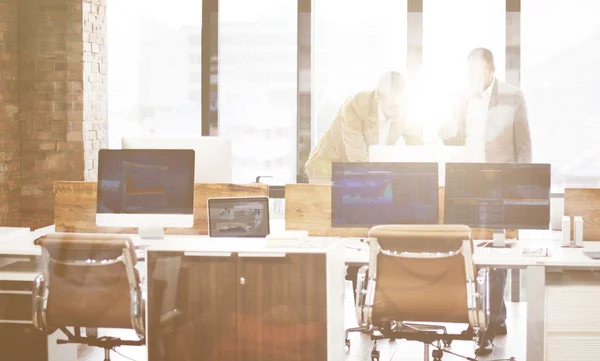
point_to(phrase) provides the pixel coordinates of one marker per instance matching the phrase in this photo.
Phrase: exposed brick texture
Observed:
(52, 101)
(10, 173)
(46, 80)
(95, 91)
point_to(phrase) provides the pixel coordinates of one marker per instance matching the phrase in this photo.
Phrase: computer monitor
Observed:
(369, 194)
(149, 189)
(419, 153)
(498, 196)
(238, 217)
(213, 154)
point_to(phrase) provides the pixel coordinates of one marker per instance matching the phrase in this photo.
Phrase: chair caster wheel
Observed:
(437, 355)
(392, 340)
(347, 343)
(374, 355)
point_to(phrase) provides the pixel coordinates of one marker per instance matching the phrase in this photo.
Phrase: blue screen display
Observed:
(500, 196)
(369, 194)
(146, 181)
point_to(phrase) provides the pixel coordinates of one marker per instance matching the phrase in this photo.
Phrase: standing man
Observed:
(368, 118)
(491, 121)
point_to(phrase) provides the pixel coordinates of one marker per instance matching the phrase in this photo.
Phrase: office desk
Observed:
(8, 233)
(19, 340)
(563, 295)
(244, 299)
(562, 290)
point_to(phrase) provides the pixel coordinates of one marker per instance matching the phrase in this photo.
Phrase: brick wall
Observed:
(95, 91)
(53, 87)
(10, 173)
(43, 76)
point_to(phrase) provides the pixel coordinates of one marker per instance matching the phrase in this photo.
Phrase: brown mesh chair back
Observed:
(422, 274)
(90, 281)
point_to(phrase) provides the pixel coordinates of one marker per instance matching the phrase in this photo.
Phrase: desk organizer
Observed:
(584, 203)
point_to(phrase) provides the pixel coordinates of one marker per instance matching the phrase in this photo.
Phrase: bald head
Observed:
(480, 68)
(391, 82)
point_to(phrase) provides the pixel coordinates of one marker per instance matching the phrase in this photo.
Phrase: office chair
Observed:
(88, 281)
(417, 275)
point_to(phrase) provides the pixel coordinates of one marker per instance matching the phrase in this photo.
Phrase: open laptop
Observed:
(238, 217)
(417, 153)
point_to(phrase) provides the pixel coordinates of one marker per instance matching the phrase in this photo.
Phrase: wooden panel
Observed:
(75, 206)
(308, 207)
(282, 308)
(585, 203)
(191, 307)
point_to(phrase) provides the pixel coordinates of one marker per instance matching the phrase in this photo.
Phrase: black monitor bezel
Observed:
(502, 167)
(102, 153)
(337, 166)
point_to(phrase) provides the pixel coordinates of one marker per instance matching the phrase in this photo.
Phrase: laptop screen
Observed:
(238, 217)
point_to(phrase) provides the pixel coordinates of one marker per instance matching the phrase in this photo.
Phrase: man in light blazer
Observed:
(491, 121)
(373, 117)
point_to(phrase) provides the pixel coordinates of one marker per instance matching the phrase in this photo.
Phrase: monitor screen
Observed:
(238, 217)
(369, 194)
(498, 196)
(147, 181)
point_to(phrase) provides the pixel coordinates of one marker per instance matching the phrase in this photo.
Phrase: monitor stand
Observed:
(499, 240)
(151, 232)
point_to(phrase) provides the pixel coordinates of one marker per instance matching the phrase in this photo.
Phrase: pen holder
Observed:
(578, 231)
(566, 231)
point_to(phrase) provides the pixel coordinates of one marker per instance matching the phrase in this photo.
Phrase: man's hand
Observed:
(448, 130)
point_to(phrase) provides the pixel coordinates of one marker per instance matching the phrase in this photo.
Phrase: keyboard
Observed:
(592, 254)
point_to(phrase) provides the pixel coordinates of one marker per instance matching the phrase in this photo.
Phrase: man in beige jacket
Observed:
(368, 118)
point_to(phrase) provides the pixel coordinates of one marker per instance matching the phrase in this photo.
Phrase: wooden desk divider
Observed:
(308, 207)
(584, 202)
(75, 206)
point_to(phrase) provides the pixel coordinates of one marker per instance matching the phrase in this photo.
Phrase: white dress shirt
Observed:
(384, 127)
(476, 119)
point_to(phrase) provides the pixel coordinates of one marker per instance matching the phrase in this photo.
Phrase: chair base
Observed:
(426, 334)
(361, 329)
(107, 343)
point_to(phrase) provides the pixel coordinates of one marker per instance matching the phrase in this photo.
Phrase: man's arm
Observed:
(413, 134)
(453, 132)
(352, 134)
(521, 133)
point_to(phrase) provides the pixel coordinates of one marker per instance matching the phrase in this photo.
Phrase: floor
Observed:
(512, 345)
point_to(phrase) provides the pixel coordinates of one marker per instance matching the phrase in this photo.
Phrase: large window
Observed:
(154, 61)
(257, 86)
(355, 43)
(450, 30)
(560, 52)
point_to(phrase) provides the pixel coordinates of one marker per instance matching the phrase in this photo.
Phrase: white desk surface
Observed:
(355, 251)
(202, 244)
(7, 233)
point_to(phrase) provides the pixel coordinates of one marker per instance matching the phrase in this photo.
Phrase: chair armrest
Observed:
(360, 294)
(39, 303)
(481, 298)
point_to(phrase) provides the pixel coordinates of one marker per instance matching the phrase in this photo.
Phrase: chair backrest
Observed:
(423, 274)
(91, 281)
